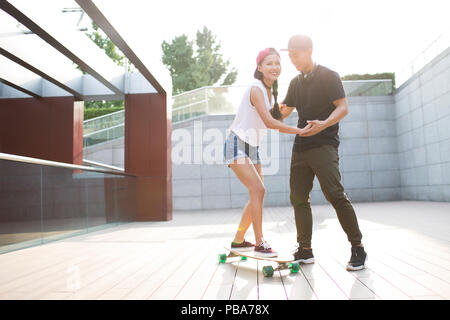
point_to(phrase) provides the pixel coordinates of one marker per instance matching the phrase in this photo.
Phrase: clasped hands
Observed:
(313, 126)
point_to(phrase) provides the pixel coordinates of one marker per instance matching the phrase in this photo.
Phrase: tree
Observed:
(103, 42)
(205, 68)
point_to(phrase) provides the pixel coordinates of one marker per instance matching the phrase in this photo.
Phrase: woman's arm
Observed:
(257, 100)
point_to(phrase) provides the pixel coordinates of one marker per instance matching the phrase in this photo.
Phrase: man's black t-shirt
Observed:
(313, 98)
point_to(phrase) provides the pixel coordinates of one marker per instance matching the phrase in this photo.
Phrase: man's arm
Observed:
(337, 115)
(289, 101)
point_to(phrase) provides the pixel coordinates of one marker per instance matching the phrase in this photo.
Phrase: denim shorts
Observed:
(235, 148)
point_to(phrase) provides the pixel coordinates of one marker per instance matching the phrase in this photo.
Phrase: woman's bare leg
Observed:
(246, 219)
(251, 177)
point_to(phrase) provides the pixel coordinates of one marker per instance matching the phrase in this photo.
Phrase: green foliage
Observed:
(376, 76)
(103, 42)
(104, 104)
(100, 111)
(190, 71)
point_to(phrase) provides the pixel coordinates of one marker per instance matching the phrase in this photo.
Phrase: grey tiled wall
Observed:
(368, 161)
(423, 126)
(368, 151)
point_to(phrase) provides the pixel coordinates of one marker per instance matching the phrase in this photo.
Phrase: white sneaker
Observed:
(264, 250)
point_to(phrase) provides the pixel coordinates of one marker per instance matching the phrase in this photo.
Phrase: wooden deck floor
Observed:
(407, 245)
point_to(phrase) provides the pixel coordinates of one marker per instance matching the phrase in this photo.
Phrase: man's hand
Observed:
(303, 130)
(337, 115)
(314, 127)
(285, 110)
(283, 107)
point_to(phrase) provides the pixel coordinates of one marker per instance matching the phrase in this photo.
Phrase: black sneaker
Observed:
(357, 260)
(304, 255)
(244, 246)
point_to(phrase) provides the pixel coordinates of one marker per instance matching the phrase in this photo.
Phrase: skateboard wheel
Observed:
(294, 267)
(267, 271)
(243, 258)
(222, 258)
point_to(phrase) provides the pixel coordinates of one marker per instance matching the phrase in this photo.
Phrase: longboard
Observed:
(267, 271)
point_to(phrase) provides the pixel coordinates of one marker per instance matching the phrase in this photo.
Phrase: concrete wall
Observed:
(204, 186)
(368, 161)
(368, 150)
(423, 126)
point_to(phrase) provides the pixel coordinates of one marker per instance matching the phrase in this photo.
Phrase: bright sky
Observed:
(350, 36)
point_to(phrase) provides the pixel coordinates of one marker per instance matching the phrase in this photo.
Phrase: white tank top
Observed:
(247, 123)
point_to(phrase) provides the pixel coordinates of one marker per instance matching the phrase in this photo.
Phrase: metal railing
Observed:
(103, 122)
(436, 47)
(105, 135)
(367, 87)
(44, 201)
(206, 101)
(100, 168)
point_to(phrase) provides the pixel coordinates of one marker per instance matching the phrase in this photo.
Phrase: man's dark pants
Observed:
(322, 162)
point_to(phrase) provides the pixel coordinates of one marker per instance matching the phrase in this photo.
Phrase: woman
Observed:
(255, 114)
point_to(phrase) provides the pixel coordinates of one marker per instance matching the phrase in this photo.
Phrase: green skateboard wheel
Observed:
(267, 271)
(243, 258)
(222, 258)
(294, 267)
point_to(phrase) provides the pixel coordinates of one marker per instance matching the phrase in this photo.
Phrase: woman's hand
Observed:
(303, 131)
(315, 126)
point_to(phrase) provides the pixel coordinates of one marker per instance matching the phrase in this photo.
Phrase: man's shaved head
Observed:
(300, 48)
(300, 42)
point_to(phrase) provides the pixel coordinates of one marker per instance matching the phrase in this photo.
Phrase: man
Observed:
(318, 95)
